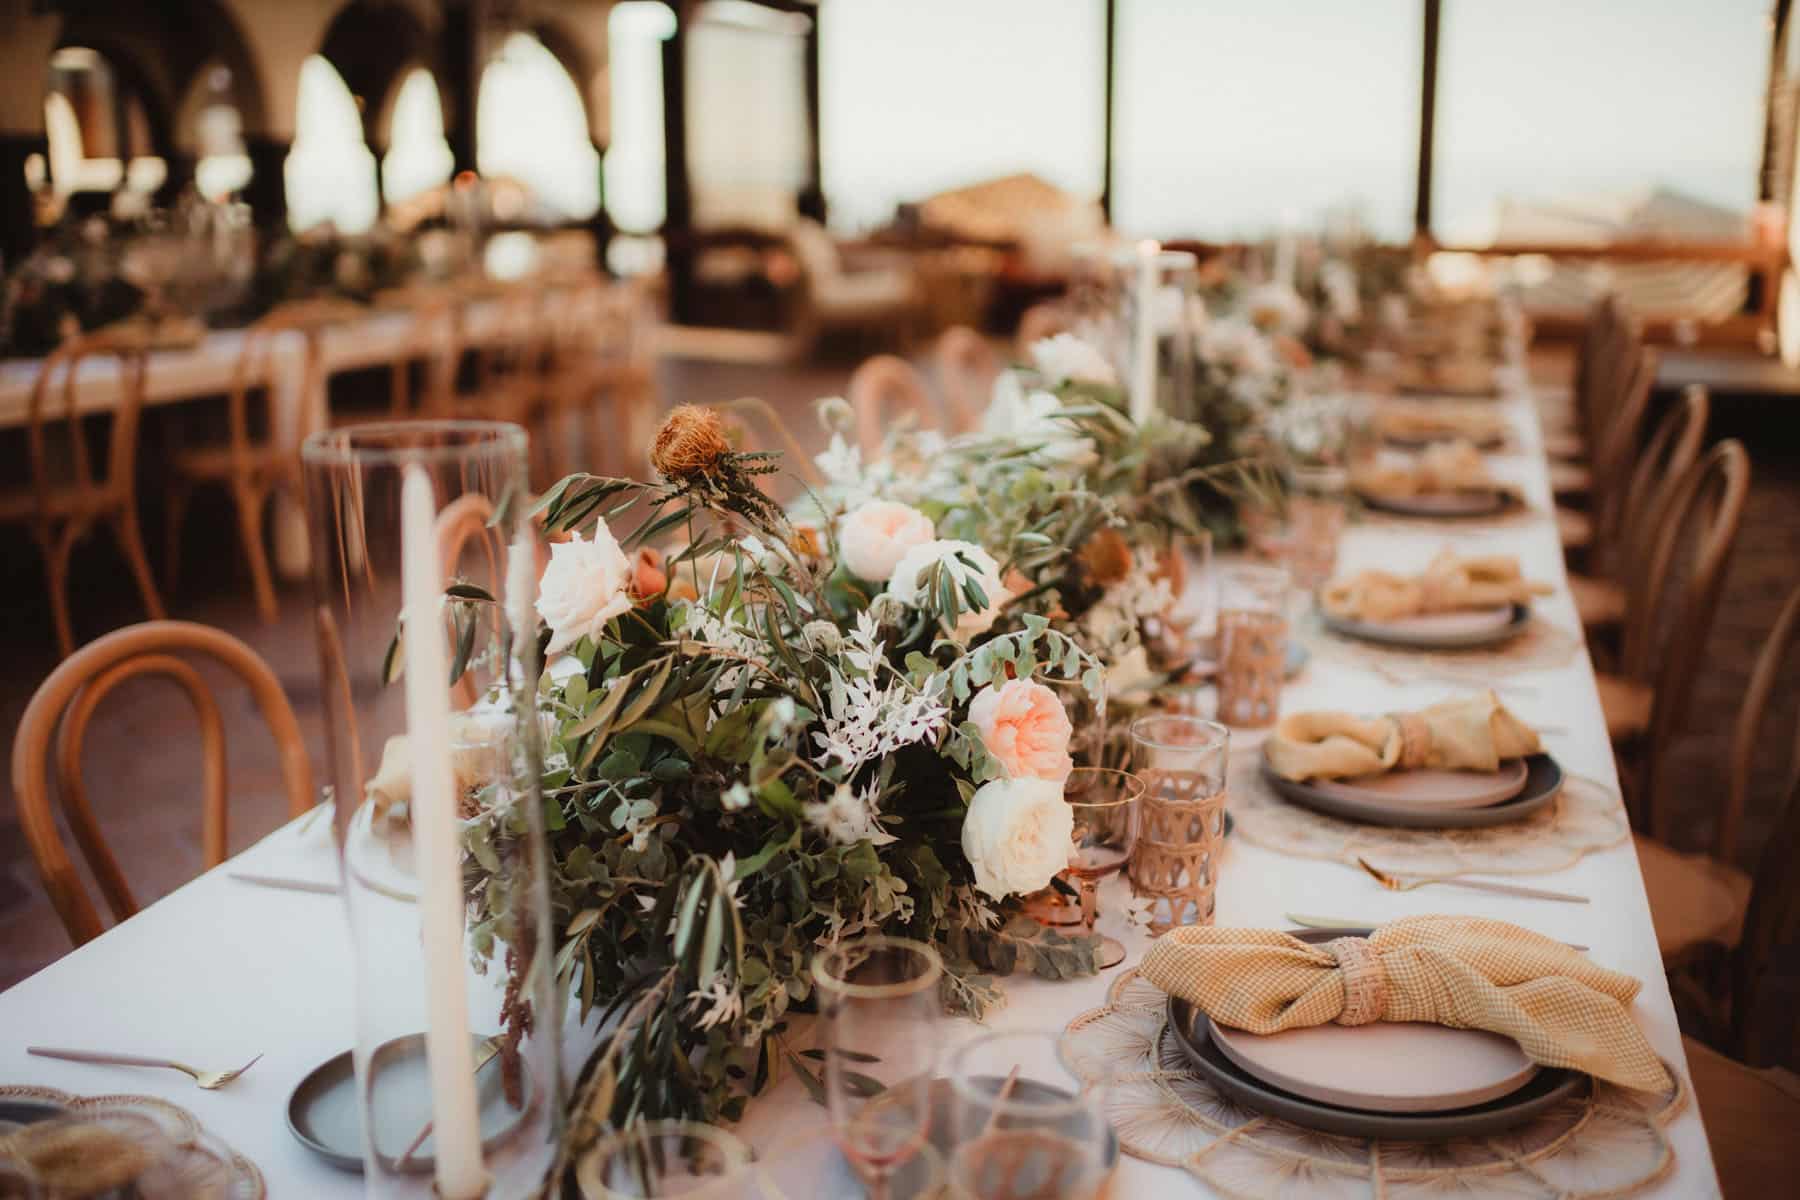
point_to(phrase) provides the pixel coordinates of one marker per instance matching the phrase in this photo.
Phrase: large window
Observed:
(1561, 121)
(747, 138)
(1234, 120)
(921, 96)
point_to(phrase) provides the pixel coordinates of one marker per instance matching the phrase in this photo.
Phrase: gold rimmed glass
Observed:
(1106, 806)
(1026, 1127)
(878, 997)
(665, 1158)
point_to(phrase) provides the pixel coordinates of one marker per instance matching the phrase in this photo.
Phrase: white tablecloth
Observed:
(221, 970)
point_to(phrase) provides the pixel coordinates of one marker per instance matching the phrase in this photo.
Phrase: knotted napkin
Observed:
(1447, 467)
(1472, 733)
(1436, 419)
(1449, 583)
(1462, 972)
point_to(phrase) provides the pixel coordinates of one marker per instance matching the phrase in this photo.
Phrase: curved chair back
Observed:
(966, 365)
(773, 431)
(61, 710)
(63, 368)
(463, 520)
(1619, 447)
(306, 319)
(1667, 633)
(884, 389)
(1772, 922)
(1665, 458)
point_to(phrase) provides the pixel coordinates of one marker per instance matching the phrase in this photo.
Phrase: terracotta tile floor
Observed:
(146, 791)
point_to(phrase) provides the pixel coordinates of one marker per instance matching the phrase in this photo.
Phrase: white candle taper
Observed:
(1143, 334)
(454, 1109)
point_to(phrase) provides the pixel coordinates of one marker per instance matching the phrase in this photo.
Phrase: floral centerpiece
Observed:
(780, 736)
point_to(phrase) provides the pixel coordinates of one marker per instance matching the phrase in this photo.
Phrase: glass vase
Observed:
(424, 566)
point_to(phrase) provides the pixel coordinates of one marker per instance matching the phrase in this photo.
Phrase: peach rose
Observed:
(1023, 725)
(874, 537)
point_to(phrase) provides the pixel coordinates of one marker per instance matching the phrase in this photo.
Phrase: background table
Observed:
(221, 970)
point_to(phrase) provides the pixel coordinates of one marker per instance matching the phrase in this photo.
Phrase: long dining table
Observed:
(181, 375)
(221, 969)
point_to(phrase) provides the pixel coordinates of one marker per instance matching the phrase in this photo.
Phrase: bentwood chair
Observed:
(1699, 901)
(884, 390)
(67, 495)
(1608, 386)
(1564, 414)
(465, 540)
(967, 367)
(56, 720)
(1647, 701)
(755, 425)
(422, 377)
(256, 457)
(1603, 599)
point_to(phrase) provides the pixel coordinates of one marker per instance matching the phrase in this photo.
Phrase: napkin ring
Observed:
(1415, 740)
(1365, 981)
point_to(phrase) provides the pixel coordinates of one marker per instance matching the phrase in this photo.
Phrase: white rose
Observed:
(903, 584)
(876, 536)
(1017, 835)
(1065, 358)
(583, 588)
(1021, 416)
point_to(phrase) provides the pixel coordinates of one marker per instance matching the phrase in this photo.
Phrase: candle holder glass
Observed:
(1129, 297)
(458, 1026)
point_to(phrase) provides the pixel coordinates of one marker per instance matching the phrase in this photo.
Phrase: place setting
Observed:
(1445, 482)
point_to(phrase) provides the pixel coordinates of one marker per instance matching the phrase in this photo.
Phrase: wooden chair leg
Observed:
(131, 542)
(57, 549)
(173, 517)
(250, 504)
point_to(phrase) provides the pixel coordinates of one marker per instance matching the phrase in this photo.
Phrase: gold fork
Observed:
(1395, 884)
(210, 1080)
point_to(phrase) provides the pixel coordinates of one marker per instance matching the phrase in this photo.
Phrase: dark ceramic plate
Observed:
(323, 1114)
(1548, 1087)
(1461, 505)
(1543, 780)
(1413, 639)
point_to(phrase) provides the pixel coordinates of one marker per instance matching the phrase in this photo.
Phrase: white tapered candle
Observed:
(454, 1110)
(1143, 357)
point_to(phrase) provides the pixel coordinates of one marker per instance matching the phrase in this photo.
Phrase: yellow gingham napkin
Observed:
(1463, 972)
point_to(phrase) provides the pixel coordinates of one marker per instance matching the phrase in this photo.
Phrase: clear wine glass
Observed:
(879, 1000)
(1105, 804)
(1026, 1127)
(657, 1159)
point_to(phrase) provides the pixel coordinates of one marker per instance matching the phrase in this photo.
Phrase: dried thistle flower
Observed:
(1105, 557)
(690, 444)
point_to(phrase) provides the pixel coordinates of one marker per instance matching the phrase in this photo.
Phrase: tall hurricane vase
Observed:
(425, 570)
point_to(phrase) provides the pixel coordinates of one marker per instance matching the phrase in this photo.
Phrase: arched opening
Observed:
(330, 173)
(418, 157)
(531, 127)
(97, 125)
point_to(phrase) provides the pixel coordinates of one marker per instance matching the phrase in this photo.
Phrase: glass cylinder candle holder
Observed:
(1139, 305)
(1182, 762)
(425, 572)
(1317, 510)
(1252, 644)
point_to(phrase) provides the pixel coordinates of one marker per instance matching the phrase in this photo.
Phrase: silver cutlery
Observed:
(292, 885)
(1394, 883)
(210, 1080)
(1311, 922)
